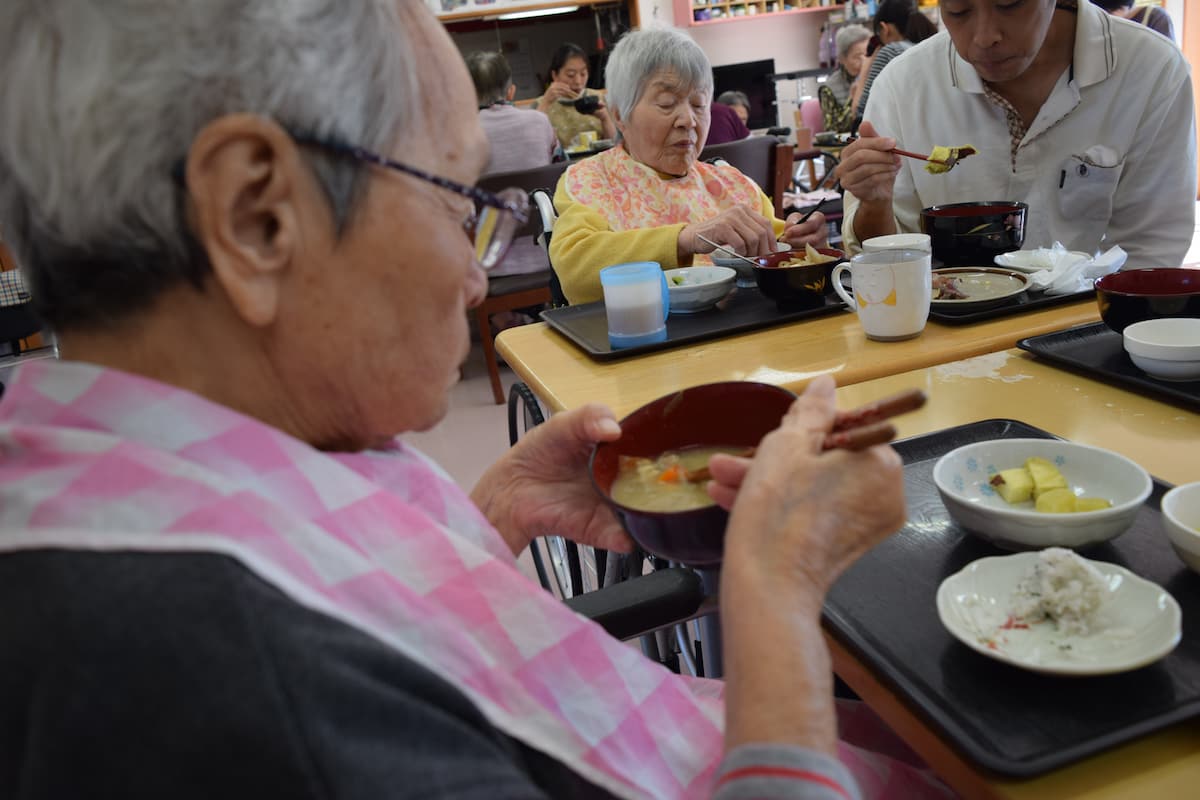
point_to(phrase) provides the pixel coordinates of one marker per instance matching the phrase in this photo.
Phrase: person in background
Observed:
(650, 198)
(1088, 121)
(899, 24)
(518, 138)
(835, 93)
(725, 124)
(568, 83)
(1153, 17)
(739, 102)
(221, 572)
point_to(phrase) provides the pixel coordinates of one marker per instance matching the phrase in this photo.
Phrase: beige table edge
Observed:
(789, 355)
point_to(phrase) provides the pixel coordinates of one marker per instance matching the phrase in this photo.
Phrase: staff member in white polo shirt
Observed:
(1087, 118)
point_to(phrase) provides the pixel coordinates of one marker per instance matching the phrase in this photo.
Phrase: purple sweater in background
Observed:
(726, 125)
(520, 138)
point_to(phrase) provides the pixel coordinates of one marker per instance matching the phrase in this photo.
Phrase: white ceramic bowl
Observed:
(697, 288)
(1167, 348)
(1181, 517)
(962, 476)
(744, 270)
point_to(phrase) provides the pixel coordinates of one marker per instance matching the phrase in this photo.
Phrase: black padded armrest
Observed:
(643, 604)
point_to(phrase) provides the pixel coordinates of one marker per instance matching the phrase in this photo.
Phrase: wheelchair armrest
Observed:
(645, 603)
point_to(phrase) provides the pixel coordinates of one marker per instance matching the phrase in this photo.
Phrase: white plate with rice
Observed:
(1054, 612)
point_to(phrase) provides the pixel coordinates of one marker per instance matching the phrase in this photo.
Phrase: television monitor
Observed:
(753, 78)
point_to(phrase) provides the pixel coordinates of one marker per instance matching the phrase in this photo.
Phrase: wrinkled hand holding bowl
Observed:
(970, 234)
(745, 271)
(1140, 294)
(1138, 622)
(1181, 517)
(736, 413)
(1167, 348)
(962, 476)
(797, 287)
(698, 288)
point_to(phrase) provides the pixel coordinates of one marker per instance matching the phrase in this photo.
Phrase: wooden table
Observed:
(1163, 438)
(791, 355)
(969, 375)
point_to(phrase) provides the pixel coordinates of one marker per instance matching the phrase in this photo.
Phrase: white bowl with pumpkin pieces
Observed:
(966, 480)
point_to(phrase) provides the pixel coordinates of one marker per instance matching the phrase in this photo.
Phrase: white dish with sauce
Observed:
(983, 287)
(1137, 623)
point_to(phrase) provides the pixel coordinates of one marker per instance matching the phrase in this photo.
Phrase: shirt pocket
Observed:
(1086, 188)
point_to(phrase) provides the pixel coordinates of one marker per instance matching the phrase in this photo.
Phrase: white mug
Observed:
(892, 290)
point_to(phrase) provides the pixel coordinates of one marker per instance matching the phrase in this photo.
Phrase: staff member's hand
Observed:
(867, 169)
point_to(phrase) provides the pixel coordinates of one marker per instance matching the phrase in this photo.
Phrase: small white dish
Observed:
(983, 286)
(1181, 518)
(1137, 624)
(1032, 260)
(963, 477)
(695, 289)
(1167, 348)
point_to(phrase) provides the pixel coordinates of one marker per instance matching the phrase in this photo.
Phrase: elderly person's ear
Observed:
(243, 176)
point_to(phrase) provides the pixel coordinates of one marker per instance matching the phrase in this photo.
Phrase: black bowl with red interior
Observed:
(796, 287)
(1140, 294)
(972, 234)
(736, 414)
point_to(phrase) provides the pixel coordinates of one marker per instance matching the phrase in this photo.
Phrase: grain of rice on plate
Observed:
(1062, 588)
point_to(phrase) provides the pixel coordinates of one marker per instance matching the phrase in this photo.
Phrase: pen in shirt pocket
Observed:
(1062, 178)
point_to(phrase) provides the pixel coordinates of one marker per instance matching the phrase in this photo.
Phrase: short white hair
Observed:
(849, 36)
(101, 101)
(640, 55)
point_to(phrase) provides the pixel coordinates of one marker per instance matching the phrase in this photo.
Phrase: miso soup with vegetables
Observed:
(662, 484)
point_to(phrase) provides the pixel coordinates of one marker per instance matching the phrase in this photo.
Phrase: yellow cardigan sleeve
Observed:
(583, 244)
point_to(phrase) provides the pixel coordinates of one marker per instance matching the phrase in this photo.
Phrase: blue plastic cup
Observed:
(636, 303)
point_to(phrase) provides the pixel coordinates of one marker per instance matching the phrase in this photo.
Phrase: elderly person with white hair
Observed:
(851, 42)
(650, 198)
(220, 572)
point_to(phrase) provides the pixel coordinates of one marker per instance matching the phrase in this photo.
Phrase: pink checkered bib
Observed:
(383, 540)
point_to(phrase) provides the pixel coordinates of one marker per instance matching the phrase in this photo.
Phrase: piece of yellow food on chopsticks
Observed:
(943, 158)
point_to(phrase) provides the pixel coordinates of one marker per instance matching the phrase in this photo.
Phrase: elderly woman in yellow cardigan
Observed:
(650, 198)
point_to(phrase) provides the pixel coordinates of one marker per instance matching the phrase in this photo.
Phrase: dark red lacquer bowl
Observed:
(1137, 294)
(735, 414)
(973, 234)
(796, 287)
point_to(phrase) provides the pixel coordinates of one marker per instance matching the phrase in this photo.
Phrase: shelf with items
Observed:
(697, 12)
(460, 10)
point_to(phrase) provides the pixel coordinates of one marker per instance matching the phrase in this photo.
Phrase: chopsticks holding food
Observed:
(857, 429)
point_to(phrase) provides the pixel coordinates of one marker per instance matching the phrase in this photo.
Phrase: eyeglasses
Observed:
(491, 224)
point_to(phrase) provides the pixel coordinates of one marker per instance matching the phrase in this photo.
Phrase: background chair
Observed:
(764, 159)
(523, 278)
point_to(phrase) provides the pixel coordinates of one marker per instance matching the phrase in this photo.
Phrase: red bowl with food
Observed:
(1140, 294)
(973, 234)
(797, 285)
(643, 477)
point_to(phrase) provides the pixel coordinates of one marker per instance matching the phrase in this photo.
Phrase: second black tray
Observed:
(1004, 719)
(1100, 352)
(745, 310)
